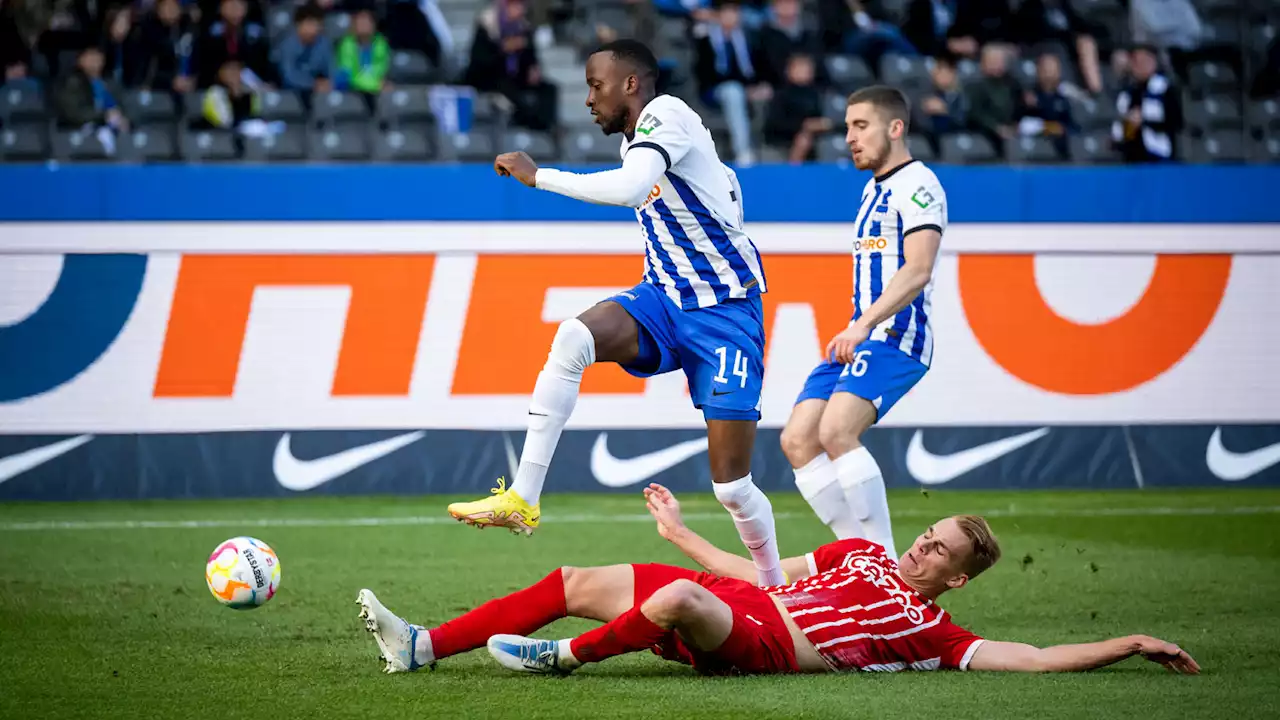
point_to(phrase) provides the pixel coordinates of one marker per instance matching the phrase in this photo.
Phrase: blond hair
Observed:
(984, 548)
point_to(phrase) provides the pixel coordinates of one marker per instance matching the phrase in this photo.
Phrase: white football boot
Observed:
(397, 639)
(529, 655)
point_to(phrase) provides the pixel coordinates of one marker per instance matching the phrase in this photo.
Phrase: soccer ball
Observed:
(243, 573)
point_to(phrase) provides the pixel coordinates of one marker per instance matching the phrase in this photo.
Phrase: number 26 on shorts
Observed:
(857, 368)
(739, 366)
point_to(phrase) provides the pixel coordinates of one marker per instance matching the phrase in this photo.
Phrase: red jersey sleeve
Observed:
(953, 644)
(832, 555)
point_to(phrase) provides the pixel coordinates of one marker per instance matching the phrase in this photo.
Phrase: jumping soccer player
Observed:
(888, 345)
(852, 607)
(698, 308)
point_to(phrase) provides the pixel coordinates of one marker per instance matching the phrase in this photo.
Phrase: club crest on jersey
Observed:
(648, 123)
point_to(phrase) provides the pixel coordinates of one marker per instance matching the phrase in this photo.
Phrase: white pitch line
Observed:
(1008, 512)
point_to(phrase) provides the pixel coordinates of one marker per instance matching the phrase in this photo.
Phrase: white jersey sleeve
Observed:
(926, 206)
(664, 127)
(737, 195)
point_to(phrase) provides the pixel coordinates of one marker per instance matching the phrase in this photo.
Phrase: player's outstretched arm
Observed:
(627, 186)
(664, 508)
(1019, 657)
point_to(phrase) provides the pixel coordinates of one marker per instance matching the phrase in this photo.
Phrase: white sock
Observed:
(423, 653)
(818, 485)
(863, 487)
(554, 395)
(567, 661)
(753, 515)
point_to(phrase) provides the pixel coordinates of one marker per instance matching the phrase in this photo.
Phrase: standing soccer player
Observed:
(698, 308)
(888, 345)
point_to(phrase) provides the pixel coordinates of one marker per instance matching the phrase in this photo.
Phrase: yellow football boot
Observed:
(503, 508)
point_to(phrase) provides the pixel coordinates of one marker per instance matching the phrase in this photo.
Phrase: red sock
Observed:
(519, 613)
(629, 632)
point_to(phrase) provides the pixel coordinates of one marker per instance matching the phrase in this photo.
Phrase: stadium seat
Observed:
(1093, 115)
(23, 142)
(338, 107)
(1264, 150)
(475, 146)
(832, 148)
(80, 146)
(540, 146)
(191, 107)
(1218, 147)
(1212, 77)
(1224, 31)
(21, 101)
(336, 25)
(208, 146)
(149, 143)
(279, 23)
(1036, 149)
(848, 72)
(1264, 117)
(1214, 113)
(968, 148)
(283, 105)
(834, 106)
(1093, 148)
(144, 107)
(921, 149)
(344, 143)
(1024, 71)
(289, 145)
(405, 105)
(409, 68)
(588, 144)
(403, 145)
(909, 73)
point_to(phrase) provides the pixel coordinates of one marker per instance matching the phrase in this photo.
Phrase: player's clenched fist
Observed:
(518, 165)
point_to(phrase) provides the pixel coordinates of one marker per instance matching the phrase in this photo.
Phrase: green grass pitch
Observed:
(104, 611)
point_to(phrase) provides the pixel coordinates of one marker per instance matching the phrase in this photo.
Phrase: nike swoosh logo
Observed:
(931, 469)
(14, 465)
(617, 472)
(1233, 466)
(298, 475)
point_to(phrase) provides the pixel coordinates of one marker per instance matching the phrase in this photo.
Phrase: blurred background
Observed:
(1040, 81)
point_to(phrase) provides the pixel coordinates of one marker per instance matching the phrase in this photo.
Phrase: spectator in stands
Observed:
(1150, 111)
(786, 35)
(1045, 109)
(1054, 24)
(727, 57)
(306, 55)
(15, 49)
(120, 62)
(85, 101)
(62, 25)
(1174, 28)
(993, 97)
(795, 119)
(419, 25)
(979, 22)
(862, 28)
(163, 44)
(927, 26)
(504, 60)
(233, 38)
(364, 57)
(945, 109)
(232, 104)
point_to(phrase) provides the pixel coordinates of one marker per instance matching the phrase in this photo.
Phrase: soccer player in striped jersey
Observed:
(697, 309)
(888, 345)
(851, 607)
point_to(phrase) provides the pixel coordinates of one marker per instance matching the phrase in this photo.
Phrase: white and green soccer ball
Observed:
(243, 573)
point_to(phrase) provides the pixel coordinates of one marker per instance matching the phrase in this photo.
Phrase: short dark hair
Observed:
(636, 53)
(889, 100)
(309, 11)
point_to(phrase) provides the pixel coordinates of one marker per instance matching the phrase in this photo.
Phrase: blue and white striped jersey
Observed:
(904, 200)
(696, 248)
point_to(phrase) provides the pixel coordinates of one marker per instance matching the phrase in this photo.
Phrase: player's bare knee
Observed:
(673, 602)
(800, 445)
(838, 435)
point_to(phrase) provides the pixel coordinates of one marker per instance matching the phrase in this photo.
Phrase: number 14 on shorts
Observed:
(739, 366)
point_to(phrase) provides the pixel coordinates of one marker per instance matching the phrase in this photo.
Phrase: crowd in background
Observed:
(756, 63)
